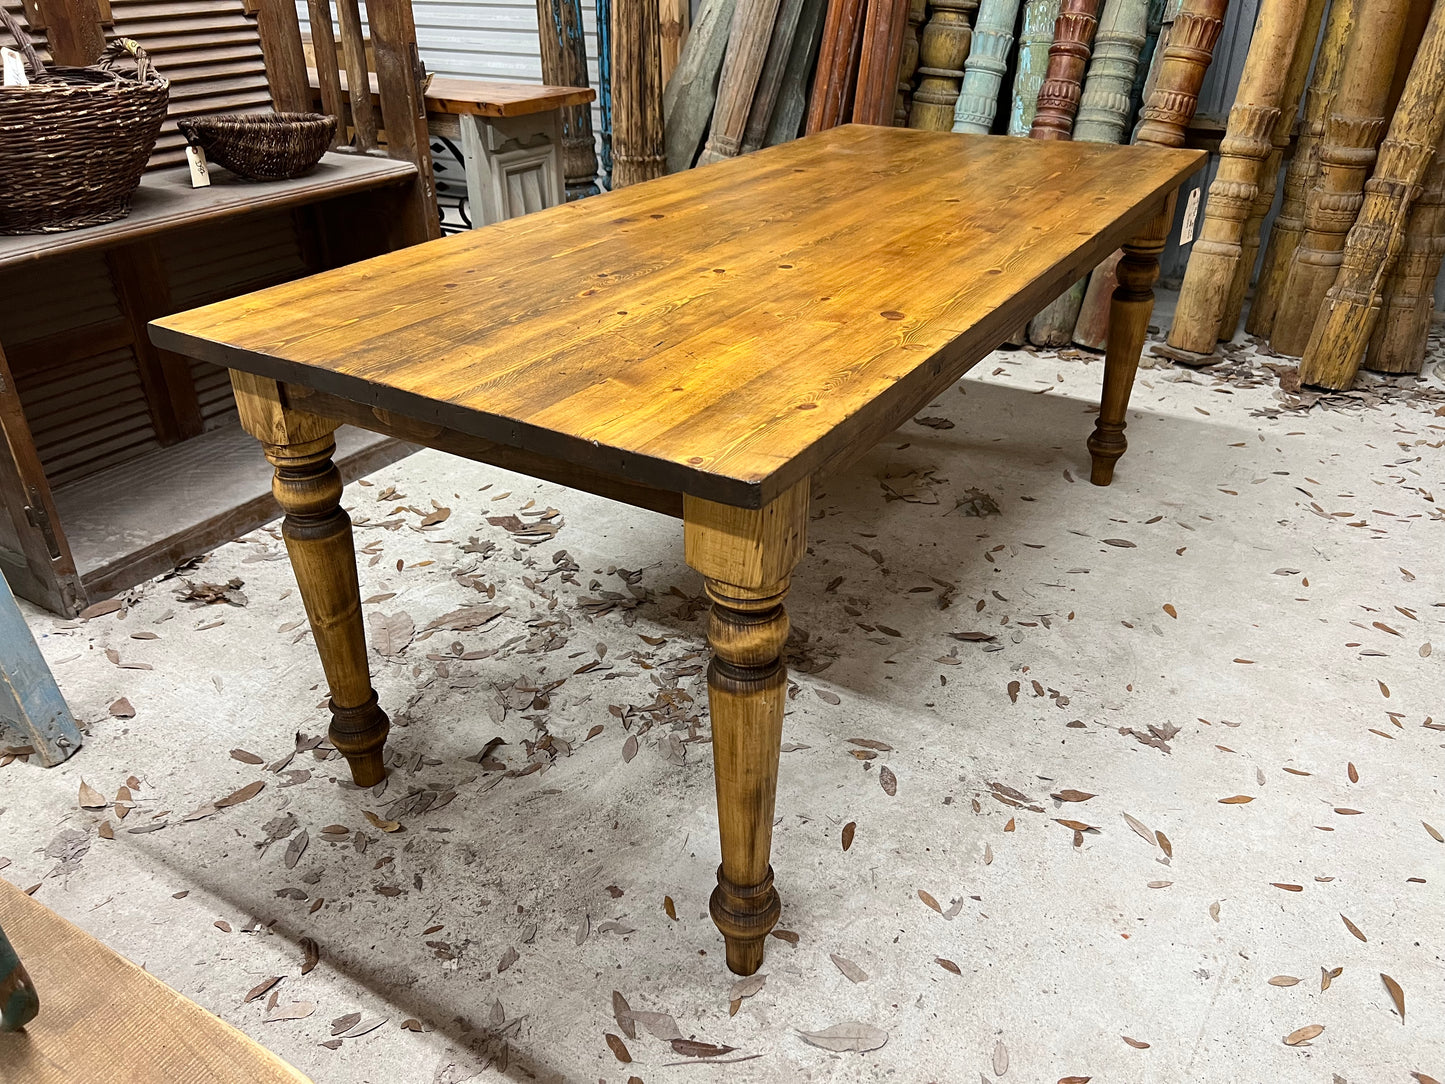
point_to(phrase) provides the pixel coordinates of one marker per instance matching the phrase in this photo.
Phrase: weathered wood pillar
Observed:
(637, 140)
(1036, 37)
(752, 29)
(908, 66)
(674, 17)
(1064, 77)
(941, 53)
(1103, 116)
(770, 80)
(687, 103)
(884, 27)
(831, 102)
(1247, 143)
(1347, 154)
(1268, 183)
(1399, 340)
(1166, 113)
(1351, 306)
(791, 107)
(564, 64)
(1299, 176)
(983, 71)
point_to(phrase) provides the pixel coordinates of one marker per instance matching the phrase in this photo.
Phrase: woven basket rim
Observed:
(124, 86)
(253, 120)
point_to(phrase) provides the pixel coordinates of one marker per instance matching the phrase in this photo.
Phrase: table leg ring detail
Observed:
(745, 915)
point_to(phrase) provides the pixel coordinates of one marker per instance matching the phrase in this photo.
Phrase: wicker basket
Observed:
(73, 144)
(262, 146)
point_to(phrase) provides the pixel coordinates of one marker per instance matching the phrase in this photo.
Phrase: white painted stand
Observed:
(513, 164)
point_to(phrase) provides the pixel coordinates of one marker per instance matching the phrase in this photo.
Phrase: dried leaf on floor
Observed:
(90, 798)
(1072, 795)
(851, 971)
(669, 907)
(658, 1024)
(929, 900)
(888, 781)
(1397, 994)
(296, 848)
(245, 757)
(245, 794)
(691, 1048)
(297, 1010)
(1000, 1058)
(508, 959)
(1304, 1034)
(947, 965)
(848, 831)
(312, 955)
(381, 822)
(260, 989)
(391, 634)
(345, 1023)
(122, 709)
(1284, 980)
(1238, 799)
(619, 1048)
(1137, 1044)
(747, 986)
(850, 1035)
(622, 1013)
(1354, 929)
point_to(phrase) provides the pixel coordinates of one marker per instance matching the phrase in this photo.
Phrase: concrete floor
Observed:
(1246, 612)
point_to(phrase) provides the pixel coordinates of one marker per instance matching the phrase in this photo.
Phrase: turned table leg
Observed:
(747, 558)
(317, 531)
(1129, 312)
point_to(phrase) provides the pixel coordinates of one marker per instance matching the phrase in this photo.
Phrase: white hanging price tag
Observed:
(196, 159)
(1191, 216)
(14, 67)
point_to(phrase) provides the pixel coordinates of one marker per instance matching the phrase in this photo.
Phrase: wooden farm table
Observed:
(702, 345)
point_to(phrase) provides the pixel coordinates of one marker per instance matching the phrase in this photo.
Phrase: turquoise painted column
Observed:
(983, 72)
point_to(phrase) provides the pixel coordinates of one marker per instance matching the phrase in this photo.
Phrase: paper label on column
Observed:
(1191, 215)
(200, 175)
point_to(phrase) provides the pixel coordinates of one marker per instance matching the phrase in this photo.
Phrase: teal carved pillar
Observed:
(1035, 39)
(1104, 105)
(1103, 117)
(983, 72)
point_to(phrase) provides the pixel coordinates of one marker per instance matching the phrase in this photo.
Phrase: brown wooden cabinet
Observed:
(118, 457)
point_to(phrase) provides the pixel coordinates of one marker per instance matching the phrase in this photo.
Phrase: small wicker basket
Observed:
(262, 146)
(74, 143)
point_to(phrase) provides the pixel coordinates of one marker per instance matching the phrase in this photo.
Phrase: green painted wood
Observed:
(1035, 39)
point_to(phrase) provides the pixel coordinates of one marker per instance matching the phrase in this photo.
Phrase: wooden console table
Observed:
(703, 344)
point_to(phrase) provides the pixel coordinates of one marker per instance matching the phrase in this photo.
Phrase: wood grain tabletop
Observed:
(725, 331)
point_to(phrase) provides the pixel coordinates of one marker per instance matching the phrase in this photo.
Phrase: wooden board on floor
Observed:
(102, 1018)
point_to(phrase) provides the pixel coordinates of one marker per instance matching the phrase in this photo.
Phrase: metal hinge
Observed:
(39, 518)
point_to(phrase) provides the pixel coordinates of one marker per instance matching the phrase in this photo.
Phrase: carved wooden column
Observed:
(1169, 108)
(1352, 304)
(983, 71)
(1064, 76)
(1300, 175)
(1268, 182)
(1247, 142)
(564, 64)
(1104, 105)
(908, 67)
(637, 145)
(317, 531)
(941, 53)
(1036, 36)
(752, 29)
(1347, 154)
(1399, 339)
(792, 104)
(831, 102)
(746, 557)
(687, 102)
(604, 86)
(1103, 116)
(884, 28)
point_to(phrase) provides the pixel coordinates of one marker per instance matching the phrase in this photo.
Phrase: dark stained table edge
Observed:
(899, 401)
